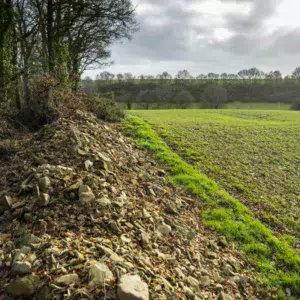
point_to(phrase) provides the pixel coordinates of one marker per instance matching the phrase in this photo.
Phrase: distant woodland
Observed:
(206, 91)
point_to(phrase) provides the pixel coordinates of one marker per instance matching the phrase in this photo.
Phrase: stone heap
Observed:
(86, 214)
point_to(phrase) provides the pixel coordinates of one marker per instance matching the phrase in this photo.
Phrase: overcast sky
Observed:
(210, 36)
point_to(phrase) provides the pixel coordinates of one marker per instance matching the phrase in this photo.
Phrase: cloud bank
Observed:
(210, 36)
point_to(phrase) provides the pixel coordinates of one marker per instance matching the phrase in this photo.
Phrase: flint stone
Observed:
(113, 256)
(23, 287)
(104, 157)
(224, 296)
(6, 202)
(98, 274)
(84, 189)
(88, 164)
(188, 293)
(21, 253)
(164, 229)
(104, 202)
(86, 197)
(102, 165)
(222, 242)
(205, 281)
(75, 186)
(44, 183)
(145, 240)
(21, 268)
(131, 287)
(66, 280)
(44, 199)
(31, 239)
(193, 282)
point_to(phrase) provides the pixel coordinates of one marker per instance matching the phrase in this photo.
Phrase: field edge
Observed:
(277, 263)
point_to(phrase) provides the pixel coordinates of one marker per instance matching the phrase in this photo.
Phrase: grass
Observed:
(254, 155)
(277, 262)
(257, 106)
(200, 105)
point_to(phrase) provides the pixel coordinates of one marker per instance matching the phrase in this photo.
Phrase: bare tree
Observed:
(183, 74)
(296, 73)
(128, 76)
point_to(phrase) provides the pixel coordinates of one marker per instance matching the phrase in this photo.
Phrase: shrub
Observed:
(106, 109)
(49, 99)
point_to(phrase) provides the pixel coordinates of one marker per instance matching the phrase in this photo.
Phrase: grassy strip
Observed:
(277, 262)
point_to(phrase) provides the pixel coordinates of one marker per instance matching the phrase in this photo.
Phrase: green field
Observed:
(255, 155)
(200, 105)
(257, 106)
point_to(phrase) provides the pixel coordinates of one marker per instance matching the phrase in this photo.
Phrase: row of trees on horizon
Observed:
(245, 74)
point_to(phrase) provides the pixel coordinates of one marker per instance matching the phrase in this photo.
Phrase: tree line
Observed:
(206, 91)
(59, 38)
(245, 74)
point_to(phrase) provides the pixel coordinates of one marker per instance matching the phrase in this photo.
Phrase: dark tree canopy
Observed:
(215, 95)
(58, 37)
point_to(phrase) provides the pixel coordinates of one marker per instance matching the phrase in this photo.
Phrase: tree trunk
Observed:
(50, 36)
(2, 35)
(43, 35)
(6, 22)
(26, 80)
(2, 85)
(15, 64)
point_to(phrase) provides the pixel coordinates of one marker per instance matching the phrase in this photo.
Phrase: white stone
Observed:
(98, 274)
(131, 287)
(66, 280)
(88, 164)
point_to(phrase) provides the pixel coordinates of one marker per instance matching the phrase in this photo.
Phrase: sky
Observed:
(205, 36)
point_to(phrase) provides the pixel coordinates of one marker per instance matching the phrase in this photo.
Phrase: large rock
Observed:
(131, 287)
(66, 280)
(23, 287)
(98, 274)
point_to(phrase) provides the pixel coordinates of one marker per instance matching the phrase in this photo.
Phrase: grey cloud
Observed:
(168, 37)
(261, 10)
